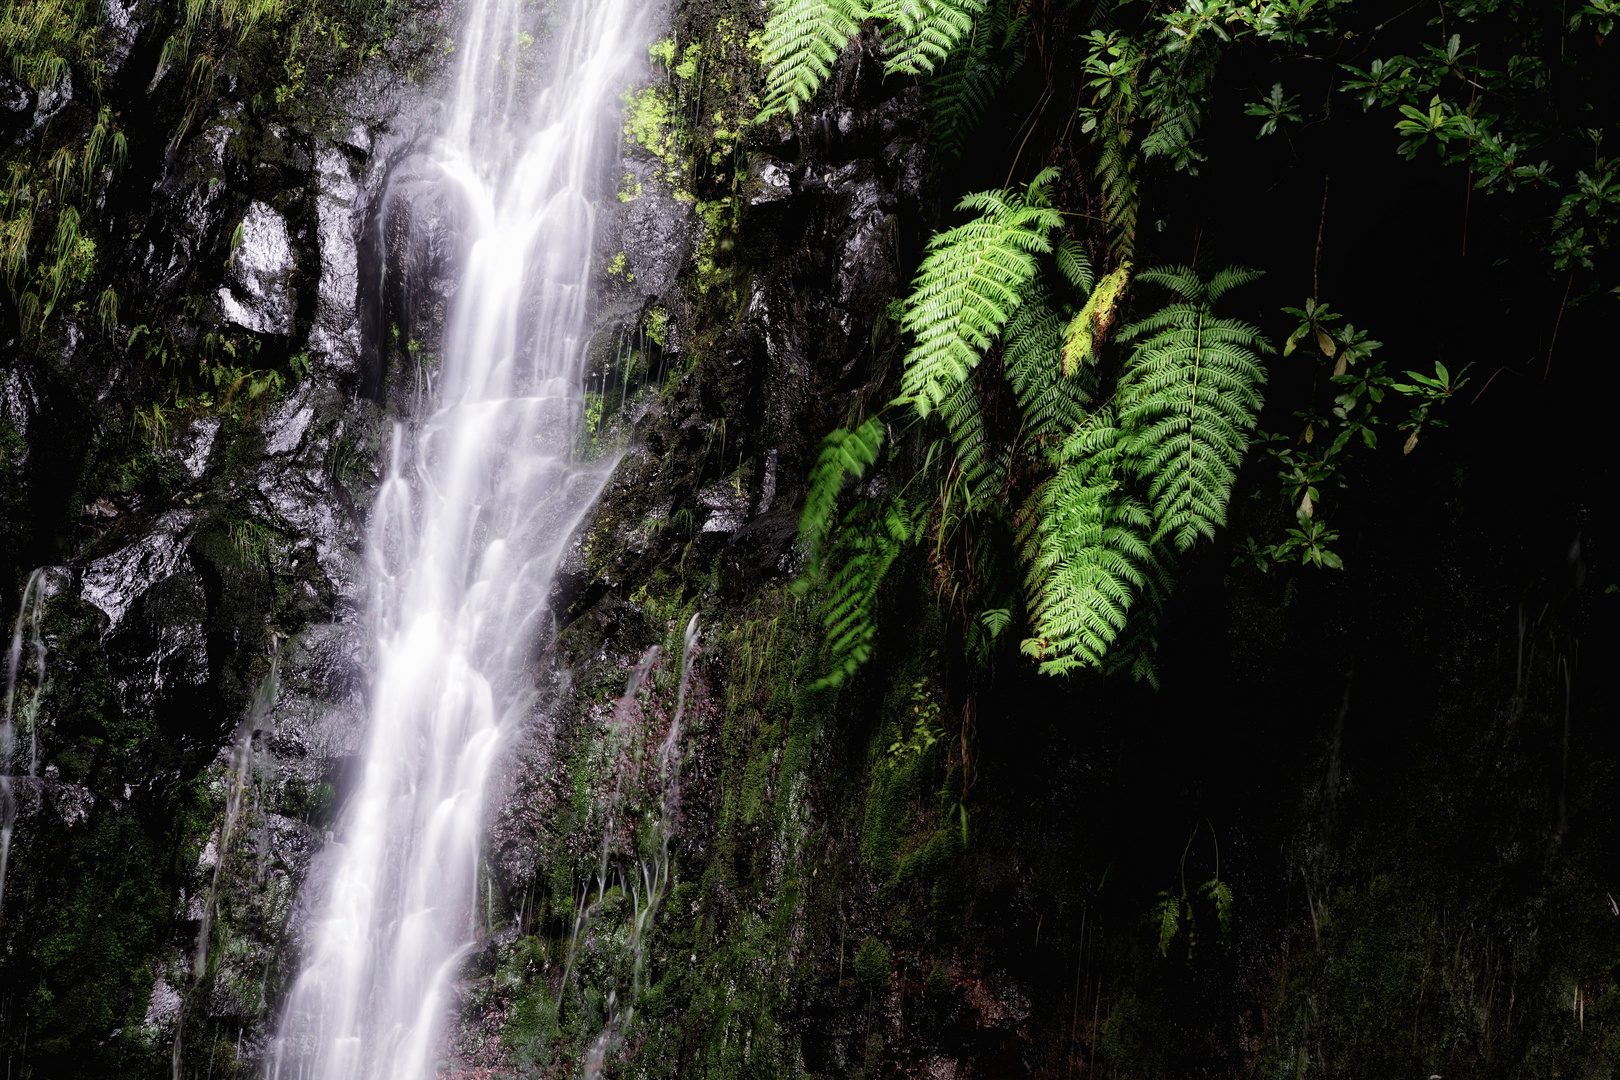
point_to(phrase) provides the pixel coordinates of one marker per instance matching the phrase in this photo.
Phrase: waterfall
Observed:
(469, 524)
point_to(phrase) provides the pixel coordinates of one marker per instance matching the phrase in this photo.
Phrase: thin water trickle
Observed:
(468, 528)
(648, 882)
(27, 637)
(239, 783)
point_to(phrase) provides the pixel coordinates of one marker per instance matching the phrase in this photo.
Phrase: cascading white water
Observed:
(466, 533)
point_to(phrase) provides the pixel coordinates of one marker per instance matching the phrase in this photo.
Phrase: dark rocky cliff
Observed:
(942, 869)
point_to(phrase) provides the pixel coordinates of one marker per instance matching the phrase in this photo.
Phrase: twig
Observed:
(1321, 227)
(1488, 382)
(1556, 324)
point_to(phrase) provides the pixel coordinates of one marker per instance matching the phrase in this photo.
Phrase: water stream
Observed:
(27, 642)
(469, 525)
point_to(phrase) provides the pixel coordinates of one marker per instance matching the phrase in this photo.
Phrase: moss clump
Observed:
(873, 964)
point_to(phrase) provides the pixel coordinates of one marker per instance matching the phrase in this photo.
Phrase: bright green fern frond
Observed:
(803, 40)
(969, 285)
(1184, 280)
(1226, 280)
(1087, 551)
(1052, 404)
(843, 454)
(1188, 399)
(921, 33)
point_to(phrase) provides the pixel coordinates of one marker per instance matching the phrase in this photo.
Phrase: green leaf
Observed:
(921, 33)
(1167, 915)
(1221, 895)
(1051, 403)
(1086, 545)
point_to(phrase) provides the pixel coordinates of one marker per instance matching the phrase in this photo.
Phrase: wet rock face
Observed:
(335, 335)
(259, 296)
(832, 217)
(819, 247)
(115, 582)
(656, 237)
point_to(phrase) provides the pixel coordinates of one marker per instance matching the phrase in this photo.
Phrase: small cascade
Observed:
(27, 643)
(647, 881)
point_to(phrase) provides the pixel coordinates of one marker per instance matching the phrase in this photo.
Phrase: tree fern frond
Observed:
(981, 468)
(921, 33)
(1052, 404)
(1116, 174)
(1074, 266)
(1189, 396)
(1087, 329)
(1087, 551)
(803, 40)
(1228, 279)
(843, 454)
(969, 285)
(1181, 280)
(870, 539)
(959, 94)
(1174, 99)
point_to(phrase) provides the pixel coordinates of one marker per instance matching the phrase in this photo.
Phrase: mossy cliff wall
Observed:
(947, 867)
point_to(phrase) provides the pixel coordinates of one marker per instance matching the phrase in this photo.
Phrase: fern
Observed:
(867, 541)
(959, 94)
(843, 454)
(980, 468)
(803, 39)
(971, 282)
(1051, 404)
(1087, 329)
(921, 33)
(1086, 544)
(1116, 172)
(872, 536)
(1189, 396)
(1173, 100)
(1074, 266)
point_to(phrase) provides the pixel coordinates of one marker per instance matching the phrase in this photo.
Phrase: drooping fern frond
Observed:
(971, 282)
(844, 453)
(1087, 549)
(803, 39)
(1189, 397)
(1074, 266)
(1174, 100)
(922, 33)
(1088, 328)
(870, 538)
(960, 92)
(1116, 173)
(1052, 404)
(980, 468)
